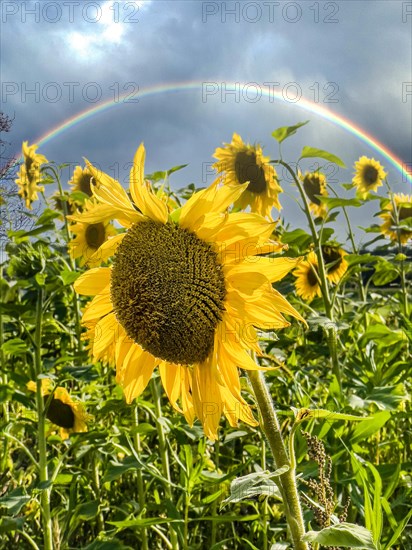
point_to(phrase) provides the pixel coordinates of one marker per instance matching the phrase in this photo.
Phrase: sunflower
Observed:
(29, 175)
(243, 163)
(335, 263)
(186, 292)
(403, 205)
(307, 278)
(89, 238)
(81, 181)
(61, 410)
(368, 176)
(314, 184)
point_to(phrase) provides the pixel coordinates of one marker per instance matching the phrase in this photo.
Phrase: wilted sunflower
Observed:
(81, 181)
(307, 281)
(404, 210)
(185, 294)
(89, 238)
(243, 163)
(29, 175)
(368, 176)
(314, 183)
(335, 263)
(61, 410)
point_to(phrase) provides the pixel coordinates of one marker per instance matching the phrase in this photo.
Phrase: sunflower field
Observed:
(185, 369)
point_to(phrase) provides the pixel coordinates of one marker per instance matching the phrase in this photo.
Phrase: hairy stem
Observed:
(287, 485)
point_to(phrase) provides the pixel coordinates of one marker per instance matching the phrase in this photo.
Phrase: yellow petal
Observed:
(149, 204)
(110, 192)
(105, 335)
(100, 306)
(107, 249)
(170, 375)
(139, 366)
(213, 199)
(206, 397)
(93, 281)
(273, 268)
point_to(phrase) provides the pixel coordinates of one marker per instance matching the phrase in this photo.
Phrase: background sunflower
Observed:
(369, 175)
(314, 184)
(390, 227)
(241, 163)
(29, 175)
(61, 410)
(307, 283)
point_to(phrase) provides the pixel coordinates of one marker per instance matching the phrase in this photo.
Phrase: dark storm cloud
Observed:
(357, 53)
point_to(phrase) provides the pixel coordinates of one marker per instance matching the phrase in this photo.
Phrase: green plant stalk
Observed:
(214, 503)
(355, 250)
(41, 429)
(287, 481)
(264, 504)
(72, 262)
(140, 487)
(164, 455)
(322, 274)
(3, 380)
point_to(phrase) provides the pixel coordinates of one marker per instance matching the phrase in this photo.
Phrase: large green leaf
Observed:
(310, 152)
(344, 535)
(282, 133)
(370, 426)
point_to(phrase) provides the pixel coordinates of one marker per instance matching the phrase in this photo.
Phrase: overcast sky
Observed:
(350, 57)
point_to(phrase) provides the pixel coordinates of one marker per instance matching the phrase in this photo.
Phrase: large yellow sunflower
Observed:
(89, 238)
(390, 227)
(186, 293)
(29, 175)
(369, 174)
(307, 279)
(335, 263)
(61, 410)
(314, 184)
(243, 163)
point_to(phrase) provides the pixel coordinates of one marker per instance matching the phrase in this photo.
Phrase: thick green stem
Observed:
(331, 334)
(140, 486)
(164, 455)
(43, 469)
(287, 485)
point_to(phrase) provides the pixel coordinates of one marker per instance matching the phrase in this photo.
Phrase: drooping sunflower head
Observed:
(89, 237)
(82, 181)
(30, 175)
(397, 222)
(186, 293)
(307, 278)
(243, 163)
(70, 416)
(314, 184)
(61, 204)
(335, 263)
(369, 175)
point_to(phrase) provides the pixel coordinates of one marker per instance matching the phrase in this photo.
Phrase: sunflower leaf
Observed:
(344, 535)
(310, 152)
(253, 485)
(335, 202)
(282, 133)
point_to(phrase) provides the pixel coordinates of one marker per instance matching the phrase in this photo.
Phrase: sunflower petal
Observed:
(94, 281)
(149, 204)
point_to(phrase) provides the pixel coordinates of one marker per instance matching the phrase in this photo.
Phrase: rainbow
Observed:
(307, 105)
